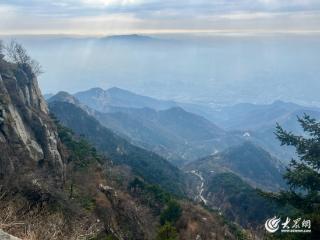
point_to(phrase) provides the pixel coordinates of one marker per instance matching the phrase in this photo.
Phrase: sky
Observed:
(99, 17)
(249, 66)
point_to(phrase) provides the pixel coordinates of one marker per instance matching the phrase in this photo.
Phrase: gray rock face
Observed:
(28, 137)
(5, 236)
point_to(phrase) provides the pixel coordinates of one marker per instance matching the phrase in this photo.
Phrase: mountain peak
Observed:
(247, 148)
(63, 93)
(63, 96)
(92, 92)
(177, 110)
(96, 90)
(101, 100)
(285, 104)
(118, 90)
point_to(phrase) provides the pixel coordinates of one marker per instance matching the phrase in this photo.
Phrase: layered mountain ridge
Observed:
(55, 185)
(163, 127)
(255, 122)
(149, 165)
(101, 100)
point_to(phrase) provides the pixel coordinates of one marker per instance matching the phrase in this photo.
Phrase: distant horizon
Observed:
(224, 67)
(210, 32)
(184, 67)
(143, 95)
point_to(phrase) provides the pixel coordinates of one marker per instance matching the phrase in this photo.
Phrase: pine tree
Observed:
(172, 212)
(303, 175)
(167, 232)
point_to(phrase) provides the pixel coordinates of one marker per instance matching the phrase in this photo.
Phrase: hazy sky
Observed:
(124, 16)
(254, 68)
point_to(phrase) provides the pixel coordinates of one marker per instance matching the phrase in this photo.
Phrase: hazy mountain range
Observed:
(122, 119)
(174, 133)
(114, 152)
(189, 68)
(184, 132)
(186, 138)
(224, 154)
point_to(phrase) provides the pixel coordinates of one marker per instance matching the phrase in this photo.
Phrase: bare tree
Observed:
(36, 67)
(18, 54)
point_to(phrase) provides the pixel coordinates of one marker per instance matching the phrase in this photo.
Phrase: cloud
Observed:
(63, 16)
(85, 7)
(104, 3)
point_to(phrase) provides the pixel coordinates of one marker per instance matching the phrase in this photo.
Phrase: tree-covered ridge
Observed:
(148, 165)
(163, 205)
(84, 160)
(240, 202)
(169, 214)
(81, 152)
(167, 208)
(249, 161)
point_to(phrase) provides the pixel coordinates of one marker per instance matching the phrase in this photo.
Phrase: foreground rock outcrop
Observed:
(5, 236)
(28, 137)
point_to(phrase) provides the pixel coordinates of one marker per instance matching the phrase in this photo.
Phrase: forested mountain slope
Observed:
(55, 185)
(249, 161)
(147, 164)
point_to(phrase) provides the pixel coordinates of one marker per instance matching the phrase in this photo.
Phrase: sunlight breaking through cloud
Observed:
(69, 16)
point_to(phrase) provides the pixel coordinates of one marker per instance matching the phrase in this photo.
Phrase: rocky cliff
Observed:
(29, 142)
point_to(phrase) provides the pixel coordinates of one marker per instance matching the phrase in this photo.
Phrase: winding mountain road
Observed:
(201, 188)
